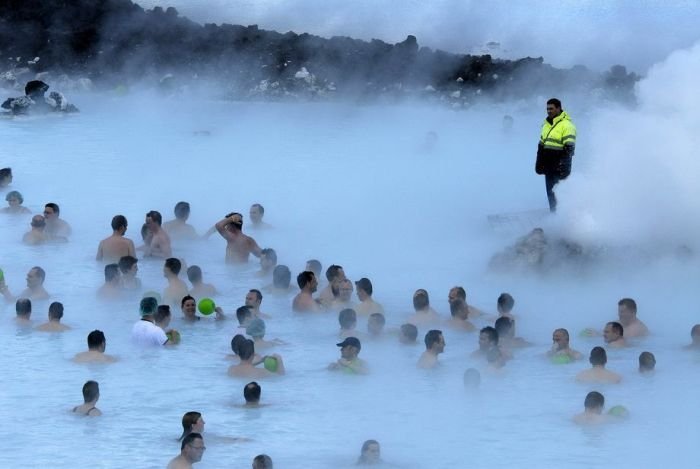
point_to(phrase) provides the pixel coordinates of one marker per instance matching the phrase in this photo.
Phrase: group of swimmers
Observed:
(497, 343)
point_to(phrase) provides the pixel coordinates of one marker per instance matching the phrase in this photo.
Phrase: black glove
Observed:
(564, 167)
(539, 164)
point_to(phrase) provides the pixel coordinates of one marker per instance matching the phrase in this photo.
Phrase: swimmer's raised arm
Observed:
(221, 227)
(209, 232)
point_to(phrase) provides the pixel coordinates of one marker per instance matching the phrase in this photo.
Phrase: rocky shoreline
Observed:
(114, 44)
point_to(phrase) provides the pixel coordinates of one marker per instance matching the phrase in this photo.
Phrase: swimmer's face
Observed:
(371, 453)
(266, 262)
(345, 290)
(609, 334)
(13, 202)
(33, 278)
(49, 214)
(151, 225)
(348, 352)
(625, 315)
(484, 341)
(198, 426)
(559, 339)
(255, 214)
(189, 309)
(251, 300)
(453, 295)
(440, 346)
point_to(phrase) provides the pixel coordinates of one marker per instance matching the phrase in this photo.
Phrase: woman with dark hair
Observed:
(192, 422)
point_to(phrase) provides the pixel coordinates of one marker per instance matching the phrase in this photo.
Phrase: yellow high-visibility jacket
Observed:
(557, 140)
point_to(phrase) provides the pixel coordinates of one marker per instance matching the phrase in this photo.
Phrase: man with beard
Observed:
(239, 246)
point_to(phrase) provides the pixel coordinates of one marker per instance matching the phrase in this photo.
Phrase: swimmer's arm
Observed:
(280, 364)
(220, 316)
(209, 232)
(221, 228)
(254, 248)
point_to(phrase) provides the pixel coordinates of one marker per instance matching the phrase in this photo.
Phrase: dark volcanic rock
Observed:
(116, 41)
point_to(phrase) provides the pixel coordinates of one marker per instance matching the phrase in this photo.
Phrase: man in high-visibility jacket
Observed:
(556, 148)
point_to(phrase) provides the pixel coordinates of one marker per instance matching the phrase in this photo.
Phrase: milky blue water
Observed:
(348, 185)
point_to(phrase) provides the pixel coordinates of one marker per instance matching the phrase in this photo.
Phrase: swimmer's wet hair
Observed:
(304, 278)
(461, 292)
(155, 216)
(242, 313)
(126, 263)
(598, 356)
(111, 272)
(628, 303)
(118, 221)
(347, 318)
(174, 265)
(281, 276)
(246, 349)
(91, 391)
(491, 332)
(262, 461)
(182, 210)
(194, 273)
(162, 312)
(148, 306)
(593, 400)
(332, 272)
(647, 361)
(617, 328)
(236, 342)
(260, 207)
(505, 303)
(189, 438)
(252, 391)
(95, 339)
(432, 337)
(314, 265)
(23, 307)
(503, 325)
(409, 331)
(188, 420)
(377, 319)
(56, 310)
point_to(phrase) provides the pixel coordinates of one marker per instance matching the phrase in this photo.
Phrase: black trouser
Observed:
(551, 180)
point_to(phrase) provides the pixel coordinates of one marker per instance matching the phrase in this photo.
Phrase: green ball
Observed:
(618, 411)
(561, 359)
(173, 336)
(206, 306)
(270, 364)
(2, 275)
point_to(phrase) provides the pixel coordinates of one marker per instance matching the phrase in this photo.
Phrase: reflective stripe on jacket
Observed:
(559, 133)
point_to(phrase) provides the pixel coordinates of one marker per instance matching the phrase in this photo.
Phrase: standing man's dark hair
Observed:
(555, 150)
(304, 278)
(118, 222)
